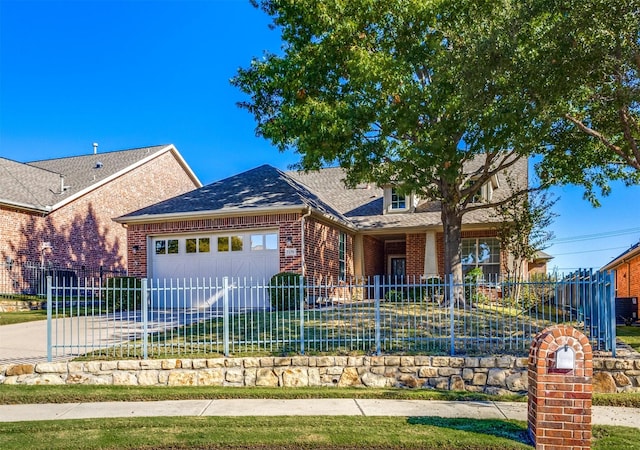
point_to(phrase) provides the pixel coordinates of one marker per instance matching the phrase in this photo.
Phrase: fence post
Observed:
(49, 320)
(302, 302)
(376, 288)
(610, 293)
(225, 313)
(145, 318)
(452, 301)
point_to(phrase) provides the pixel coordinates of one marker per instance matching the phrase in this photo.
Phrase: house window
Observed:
(342, 259)
(398, 201)
(483, 253)
(200, 245)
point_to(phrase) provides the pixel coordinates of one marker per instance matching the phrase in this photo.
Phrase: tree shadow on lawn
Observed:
(503, 429)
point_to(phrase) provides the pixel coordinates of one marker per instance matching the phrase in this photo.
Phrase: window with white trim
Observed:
(398, 201)
(342, 256)
(483, 253)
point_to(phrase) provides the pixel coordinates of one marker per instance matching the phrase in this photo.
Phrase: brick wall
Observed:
(322, 251)
(415, 254)
(83, 231)
(628, 279)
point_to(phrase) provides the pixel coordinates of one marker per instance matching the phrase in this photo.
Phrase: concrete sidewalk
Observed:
(602, 415)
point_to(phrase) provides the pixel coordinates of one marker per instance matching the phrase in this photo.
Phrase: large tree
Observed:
(413, 92)
(581, 65)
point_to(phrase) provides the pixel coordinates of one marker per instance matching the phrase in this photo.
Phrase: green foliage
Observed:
(123, 294)
(397, 90)
(284, 291)
(394, 296)
(579, 60)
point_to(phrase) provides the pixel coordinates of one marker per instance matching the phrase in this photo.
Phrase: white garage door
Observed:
(250, 254)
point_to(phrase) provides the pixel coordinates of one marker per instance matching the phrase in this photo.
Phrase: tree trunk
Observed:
(452, 224)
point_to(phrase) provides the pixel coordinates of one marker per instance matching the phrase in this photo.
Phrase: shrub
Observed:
(394, 296)
(284, 290)
(123, 294)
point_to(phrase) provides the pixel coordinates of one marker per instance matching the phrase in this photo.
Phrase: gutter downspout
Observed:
(302, 250)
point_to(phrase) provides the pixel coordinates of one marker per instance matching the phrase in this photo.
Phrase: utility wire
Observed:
(588, 237)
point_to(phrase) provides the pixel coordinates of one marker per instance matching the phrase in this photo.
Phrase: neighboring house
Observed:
(538, 265)
(627, 276)
(264, 221)
(58, 212)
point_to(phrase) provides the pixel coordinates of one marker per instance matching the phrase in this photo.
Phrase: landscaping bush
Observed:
(284, 291)
(123, 294)
(394, 296)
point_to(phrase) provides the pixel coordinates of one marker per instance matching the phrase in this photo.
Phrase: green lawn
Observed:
(9, 318)
(20, 394)
(630, 336)
(336, 432)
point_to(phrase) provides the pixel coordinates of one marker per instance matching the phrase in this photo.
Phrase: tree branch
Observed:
(593, 133)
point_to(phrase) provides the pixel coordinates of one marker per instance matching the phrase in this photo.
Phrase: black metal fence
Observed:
(28, 280)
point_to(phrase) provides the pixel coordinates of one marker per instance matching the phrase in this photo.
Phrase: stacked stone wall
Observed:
(491, 375)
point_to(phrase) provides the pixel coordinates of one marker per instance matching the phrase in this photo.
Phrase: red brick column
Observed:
(560, 398)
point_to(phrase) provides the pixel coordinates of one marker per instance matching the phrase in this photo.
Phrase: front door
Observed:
(397, 266)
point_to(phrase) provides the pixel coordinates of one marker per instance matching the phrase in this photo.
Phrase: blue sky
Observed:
(128, 74)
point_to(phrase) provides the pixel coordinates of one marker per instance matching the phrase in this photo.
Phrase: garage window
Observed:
(230, 243)
(161, 247)
(172, 246)
(167, 246)
(264, 241)
(200, 245)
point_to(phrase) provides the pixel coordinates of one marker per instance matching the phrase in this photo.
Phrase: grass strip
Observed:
(630, 336)
(306, 432)
(23, 394)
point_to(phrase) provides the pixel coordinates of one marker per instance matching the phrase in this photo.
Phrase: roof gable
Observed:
(49, 184)
(262, 188)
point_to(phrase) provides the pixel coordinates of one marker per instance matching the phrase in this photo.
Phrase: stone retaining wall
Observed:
(19, 305)
(491, 375)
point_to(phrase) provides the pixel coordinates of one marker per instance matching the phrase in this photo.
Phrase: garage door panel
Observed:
(255, 264)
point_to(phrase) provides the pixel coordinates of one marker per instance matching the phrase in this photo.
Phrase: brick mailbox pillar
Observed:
(560, 389)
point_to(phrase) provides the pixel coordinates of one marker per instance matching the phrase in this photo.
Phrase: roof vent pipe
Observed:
(95, 148)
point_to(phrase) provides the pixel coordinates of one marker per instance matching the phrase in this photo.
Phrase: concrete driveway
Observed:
(23, 342)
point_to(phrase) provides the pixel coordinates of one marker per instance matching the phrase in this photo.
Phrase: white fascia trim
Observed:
(25, 206)
(125, 170)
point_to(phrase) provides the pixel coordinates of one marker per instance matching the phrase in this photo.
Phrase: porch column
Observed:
(358, 255)
(430, 255)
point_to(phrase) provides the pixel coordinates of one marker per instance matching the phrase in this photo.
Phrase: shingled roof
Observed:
(46, 185)
(262, 188)
(267, 189)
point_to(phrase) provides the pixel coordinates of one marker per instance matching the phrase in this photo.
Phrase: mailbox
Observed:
(565, 358)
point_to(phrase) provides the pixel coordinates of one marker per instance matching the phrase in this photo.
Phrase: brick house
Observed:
(627, 276)
(58, 212)
(264, 221)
